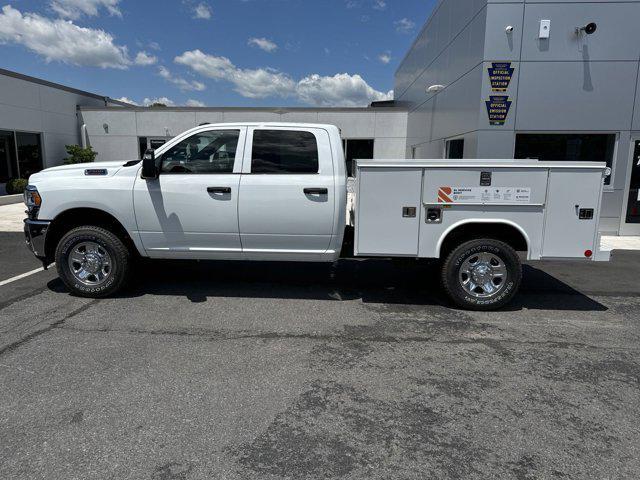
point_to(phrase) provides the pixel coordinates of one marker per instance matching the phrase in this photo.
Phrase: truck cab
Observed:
(238, 191)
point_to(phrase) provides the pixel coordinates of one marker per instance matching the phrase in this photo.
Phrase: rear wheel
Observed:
(92, 262)
(482, 274)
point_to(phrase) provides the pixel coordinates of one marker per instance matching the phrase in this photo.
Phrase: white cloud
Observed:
(404, 25)
(202, 11)
(147, 102)
(61, 40)
(384, 57)
(263, 43)
(258, 83)
(127, 100)
(340, 90)
(74, 9)
(181, 83)
(379, 4)
(144, 59)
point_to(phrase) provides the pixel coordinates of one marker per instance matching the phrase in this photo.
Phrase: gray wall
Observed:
(39, 107)
(565, 84)
(119, 141)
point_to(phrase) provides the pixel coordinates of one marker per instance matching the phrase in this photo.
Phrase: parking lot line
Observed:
(21, 276)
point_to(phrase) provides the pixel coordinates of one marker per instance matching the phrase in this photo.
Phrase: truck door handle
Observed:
(219, 189)
(316, 191)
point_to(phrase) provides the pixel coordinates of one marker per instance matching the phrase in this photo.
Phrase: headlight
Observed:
(32, 200)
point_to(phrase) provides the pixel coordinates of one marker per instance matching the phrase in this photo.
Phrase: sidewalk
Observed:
(11, 217)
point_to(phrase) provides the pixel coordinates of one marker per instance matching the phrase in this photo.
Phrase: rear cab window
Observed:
(278, 152)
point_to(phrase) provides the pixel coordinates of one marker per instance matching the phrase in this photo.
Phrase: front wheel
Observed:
(92, 262)
(482, 274)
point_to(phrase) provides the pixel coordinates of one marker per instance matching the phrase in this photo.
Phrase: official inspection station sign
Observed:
(500, 75)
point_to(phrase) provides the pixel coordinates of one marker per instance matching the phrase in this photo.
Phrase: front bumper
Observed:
(35, 232)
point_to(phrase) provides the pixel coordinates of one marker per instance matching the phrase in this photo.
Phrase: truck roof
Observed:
(268, 124)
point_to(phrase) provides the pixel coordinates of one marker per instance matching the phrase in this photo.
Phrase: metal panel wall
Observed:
(569, 83)
(34, 107)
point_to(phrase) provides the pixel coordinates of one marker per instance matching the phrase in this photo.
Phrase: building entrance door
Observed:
(631, 220)
(8, 165)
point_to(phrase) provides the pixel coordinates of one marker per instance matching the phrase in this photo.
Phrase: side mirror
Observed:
(149, 169)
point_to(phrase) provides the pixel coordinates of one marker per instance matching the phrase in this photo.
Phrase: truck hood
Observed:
(97, 169)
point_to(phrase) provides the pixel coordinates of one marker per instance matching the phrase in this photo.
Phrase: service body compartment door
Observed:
(388, 211)
(505, 195)
(573, 193)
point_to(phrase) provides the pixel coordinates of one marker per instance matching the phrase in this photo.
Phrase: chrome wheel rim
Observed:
(90, 264)
(483, 275)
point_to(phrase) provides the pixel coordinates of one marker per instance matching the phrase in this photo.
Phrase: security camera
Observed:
(509, 29)
(589, 29)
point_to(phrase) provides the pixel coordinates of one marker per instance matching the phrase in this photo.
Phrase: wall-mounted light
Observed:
(589, 29)
(509, 29)
(435, 88)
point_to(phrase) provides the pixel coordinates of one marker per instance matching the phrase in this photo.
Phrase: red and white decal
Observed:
(444, 195)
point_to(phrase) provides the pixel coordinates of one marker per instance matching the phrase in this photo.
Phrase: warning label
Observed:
(484, 195)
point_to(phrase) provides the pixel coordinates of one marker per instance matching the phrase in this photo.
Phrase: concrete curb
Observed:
(10, 199)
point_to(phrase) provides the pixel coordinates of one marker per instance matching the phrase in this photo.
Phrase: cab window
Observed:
(284, 152)
(206, 152)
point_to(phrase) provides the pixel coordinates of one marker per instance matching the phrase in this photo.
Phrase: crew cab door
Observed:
(191, 209)
(287, 192)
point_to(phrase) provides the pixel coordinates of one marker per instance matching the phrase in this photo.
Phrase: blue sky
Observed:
(215, 52)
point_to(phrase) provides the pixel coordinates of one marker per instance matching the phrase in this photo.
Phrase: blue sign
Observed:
(498, 108)
(500, 75)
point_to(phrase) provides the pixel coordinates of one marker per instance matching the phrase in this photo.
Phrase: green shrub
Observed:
(16, 185)
(77, 154)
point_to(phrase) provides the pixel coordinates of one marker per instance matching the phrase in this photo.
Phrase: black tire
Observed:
(452, 278)
(118, 253)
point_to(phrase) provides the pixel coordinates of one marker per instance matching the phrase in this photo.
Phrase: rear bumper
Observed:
(35, 233)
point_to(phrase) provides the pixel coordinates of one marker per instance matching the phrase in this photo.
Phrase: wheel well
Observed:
(76, 217)
(498, 231)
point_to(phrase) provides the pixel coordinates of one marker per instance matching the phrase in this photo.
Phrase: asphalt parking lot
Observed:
(271, 371)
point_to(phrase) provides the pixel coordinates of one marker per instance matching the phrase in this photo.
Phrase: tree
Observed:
(77, 154)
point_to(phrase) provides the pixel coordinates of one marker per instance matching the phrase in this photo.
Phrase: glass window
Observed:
(142, 145)
(455, 148)
(357, 149)
(284, 151)
(585, 147)
(29, 153)
(8, 166)
(206, 152)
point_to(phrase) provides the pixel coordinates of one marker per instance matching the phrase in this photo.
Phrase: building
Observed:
(551, 80)
(37, 119)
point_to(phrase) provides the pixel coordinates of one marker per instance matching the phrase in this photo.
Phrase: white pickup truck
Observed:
(278, 192)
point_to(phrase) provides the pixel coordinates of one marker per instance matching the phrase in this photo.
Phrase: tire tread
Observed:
(122, 253)
(447, 266)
